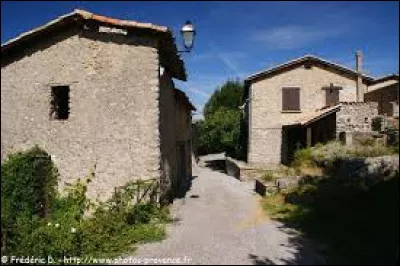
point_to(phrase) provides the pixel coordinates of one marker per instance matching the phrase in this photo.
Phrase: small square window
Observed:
(59, 106)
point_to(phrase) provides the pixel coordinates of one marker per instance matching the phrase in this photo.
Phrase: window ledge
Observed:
(291, 111)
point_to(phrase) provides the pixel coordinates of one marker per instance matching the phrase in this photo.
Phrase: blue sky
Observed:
(236, 39)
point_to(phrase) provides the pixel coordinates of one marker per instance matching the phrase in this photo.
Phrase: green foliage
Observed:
(367, 141)
(303, 158)
(358, 224)
(350, 201)
(221, 129)
(219, 132)
(109, 228)
(28, 181)
(321, 155)
(281, 172)
(229, 96)
(268, 177)
(28, 188)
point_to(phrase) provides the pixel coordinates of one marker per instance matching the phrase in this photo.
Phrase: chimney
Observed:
(360, 87)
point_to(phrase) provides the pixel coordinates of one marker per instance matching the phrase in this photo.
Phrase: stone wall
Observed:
(355, 117)
(184, 134)
(266, 116)
(114, 113)
(175, 130)
(387, 99)
(169, 181)
(241, 170)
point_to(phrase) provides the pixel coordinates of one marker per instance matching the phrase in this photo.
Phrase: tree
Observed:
(228, 96)
(220, 130)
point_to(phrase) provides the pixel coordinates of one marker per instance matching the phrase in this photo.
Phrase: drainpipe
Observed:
(360, 88)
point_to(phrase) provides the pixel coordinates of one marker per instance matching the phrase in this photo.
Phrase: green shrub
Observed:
(330, 210)
(28, 182)
(367, 141)
(302, 158)
(268, 177)
(112, 228)
(28, 188)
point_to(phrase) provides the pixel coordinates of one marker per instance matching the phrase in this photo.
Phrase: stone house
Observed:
(303, 102)
(385, 91)
(97, 93)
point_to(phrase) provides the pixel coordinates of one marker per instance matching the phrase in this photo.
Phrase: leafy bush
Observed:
(366, 141)
(112, 227)
(268, 177)
(28, 188)
(28, 182)
(303, 158)
(330, 211)
(327, 154)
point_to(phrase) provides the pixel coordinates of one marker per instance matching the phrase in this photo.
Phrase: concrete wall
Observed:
(114, 113)
(266, 116)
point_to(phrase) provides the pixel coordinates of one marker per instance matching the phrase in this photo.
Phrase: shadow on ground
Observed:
(358, 223)
(216, 165)
(185, 188)
(303, 251)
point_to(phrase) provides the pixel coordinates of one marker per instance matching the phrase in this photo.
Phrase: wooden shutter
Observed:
(332, 97)
(290, 99)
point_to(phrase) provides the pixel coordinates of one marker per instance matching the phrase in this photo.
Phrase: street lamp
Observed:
(188, 33)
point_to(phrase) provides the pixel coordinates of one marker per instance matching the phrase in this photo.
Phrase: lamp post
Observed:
(188, 34)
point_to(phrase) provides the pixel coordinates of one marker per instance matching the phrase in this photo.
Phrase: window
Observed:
(291, 99)
(332, 96)
(59, 108)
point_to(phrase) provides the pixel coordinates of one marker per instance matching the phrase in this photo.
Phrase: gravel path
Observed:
(220, 222)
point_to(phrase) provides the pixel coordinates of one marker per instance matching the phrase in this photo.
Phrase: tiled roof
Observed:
(118, 22)
(310, 117)
(386, 78)
(86, 15)
(300, 60)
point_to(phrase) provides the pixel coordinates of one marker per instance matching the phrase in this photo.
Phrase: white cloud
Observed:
(295, 36)
(229, 59)
(199, 92)
(198, 115)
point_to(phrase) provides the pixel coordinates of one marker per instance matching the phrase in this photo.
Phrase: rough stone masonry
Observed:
(113, 125)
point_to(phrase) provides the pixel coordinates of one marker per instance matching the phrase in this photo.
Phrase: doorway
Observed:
(181, 164)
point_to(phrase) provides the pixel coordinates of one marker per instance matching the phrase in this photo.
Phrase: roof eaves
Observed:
(186, 99)
(385, 78)
(321, 114)
(37, 29)
(172, 58)
(303, 59)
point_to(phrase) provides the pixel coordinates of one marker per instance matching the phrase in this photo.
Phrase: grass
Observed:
(272, 175)
(358, 221)
(320, 155)
(359, 225)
